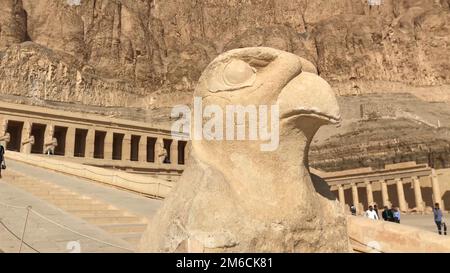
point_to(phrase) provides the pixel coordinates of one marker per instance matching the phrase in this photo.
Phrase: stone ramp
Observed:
(44, 236)
(111, 219)
(119, 197)
(122, 214)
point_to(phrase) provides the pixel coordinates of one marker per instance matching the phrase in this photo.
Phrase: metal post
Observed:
(24, 228)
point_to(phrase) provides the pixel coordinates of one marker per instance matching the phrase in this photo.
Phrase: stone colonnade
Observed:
(84, 137)
(382, 179)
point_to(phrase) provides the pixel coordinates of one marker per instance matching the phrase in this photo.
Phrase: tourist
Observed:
(387, 214)
(396, 214)
(371, 214)
(375, 208)
(2, 159)
(438, 219)
(353, 209)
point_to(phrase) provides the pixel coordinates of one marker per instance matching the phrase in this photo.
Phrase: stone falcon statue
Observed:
(233, 197)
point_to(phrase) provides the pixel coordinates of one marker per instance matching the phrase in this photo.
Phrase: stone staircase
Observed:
(118, 222)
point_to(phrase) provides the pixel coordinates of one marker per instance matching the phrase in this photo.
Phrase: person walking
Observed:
(371, 214)
(2, 159)
(438, 219)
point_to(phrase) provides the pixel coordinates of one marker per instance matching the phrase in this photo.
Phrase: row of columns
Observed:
(160, 150)
(403, 205)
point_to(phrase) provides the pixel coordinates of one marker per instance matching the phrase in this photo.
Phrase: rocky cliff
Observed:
(147, 55)
(379, 129)
(150, 53)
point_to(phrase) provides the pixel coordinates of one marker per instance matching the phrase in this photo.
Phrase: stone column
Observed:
(48, 137)
(418, 194)
(4, 139)
(3, 126)
(143, 149)
(355, 195)
(70, 141)
(369, 192)
(401, 195)
(108, 149)
(384, 193)
(437, 197)
(160, 152)
(126, 148)
(26, 142)
(341, 194)
(90, 142)
(49, 131)
(174, 152)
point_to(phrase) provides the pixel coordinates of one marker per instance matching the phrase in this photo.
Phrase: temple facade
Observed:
(409, 186)
(91, 139)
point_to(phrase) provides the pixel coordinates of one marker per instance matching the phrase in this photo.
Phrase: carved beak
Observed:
(311, 96)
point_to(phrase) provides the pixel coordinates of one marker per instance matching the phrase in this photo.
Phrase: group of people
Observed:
(393, 215)
(390, 215)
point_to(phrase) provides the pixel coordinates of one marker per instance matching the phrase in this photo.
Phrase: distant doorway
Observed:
(151, 142)
(117, 146)
(14, 129)
(134, 151)
(38, 131)
(181, 152)
(99, 144)
(80, 142)
(60, 134)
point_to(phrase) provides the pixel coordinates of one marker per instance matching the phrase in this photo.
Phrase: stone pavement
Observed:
(425, 221)
(45, 236)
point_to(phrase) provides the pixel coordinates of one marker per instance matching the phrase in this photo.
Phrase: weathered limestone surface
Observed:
(151, 53)
(389, 237)
(379, 129)
(233, 197)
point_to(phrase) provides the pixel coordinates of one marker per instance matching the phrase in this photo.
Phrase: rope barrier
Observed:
(11, 206)
(56, 224)
(78, 233)
(17, 237)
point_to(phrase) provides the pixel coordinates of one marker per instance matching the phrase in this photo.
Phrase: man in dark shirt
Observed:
(353, 209)
(387, 214)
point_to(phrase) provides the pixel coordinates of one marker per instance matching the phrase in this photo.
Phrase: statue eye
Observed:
(238, 72)
(231, 75)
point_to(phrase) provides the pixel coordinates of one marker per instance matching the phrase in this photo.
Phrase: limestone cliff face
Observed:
(151, 53)
(380, 129)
